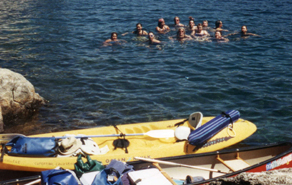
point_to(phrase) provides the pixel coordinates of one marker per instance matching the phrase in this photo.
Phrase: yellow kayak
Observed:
(140, 145)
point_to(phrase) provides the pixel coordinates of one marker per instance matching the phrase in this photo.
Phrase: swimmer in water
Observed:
(218, 26)
(219, 38)
(192, 27)
(162, 28)
(152, 39)
(200, 32)
(181, 35)
(139, 30)
(113, 40)
(205, 25)
(244, 33)
(177, 23)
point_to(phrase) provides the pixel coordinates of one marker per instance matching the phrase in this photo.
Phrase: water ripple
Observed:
(57, 45)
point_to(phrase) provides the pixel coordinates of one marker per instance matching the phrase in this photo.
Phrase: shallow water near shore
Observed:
(57, 46)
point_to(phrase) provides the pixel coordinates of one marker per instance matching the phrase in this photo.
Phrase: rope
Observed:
(230, 127)
(180, 123)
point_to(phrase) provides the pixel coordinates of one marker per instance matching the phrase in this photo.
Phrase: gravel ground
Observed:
(275, 177)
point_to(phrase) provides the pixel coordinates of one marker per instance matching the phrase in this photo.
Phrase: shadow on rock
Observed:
(18, 99)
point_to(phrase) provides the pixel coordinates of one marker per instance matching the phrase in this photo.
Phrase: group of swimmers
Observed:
(199, 31)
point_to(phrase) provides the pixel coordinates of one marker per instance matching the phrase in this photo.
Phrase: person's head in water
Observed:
(161, 23)
(200, 27)
(218, 35)
(151, 35)
(219, 38)
(181, 33)
(114, 36)
(191, 23)
(176, 20)
(218, 24)
(205, 23)
(139, 26)
(243, 29)
(152, 39)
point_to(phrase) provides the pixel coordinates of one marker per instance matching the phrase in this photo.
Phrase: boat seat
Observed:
(164, 173)
(195, 119)
(234, 164)
(150, 176)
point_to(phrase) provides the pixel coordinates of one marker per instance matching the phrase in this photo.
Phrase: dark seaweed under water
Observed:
(57, 46)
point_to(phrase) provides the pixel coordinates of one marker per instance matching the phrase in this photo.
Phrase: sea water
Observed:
(58, 46)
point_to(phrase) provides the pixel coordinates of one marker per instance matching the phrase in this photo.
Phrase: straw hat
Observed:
(69, 145)
(90, 147)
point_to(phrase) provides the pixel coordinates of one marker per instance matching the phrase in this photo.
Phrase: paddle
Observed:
(5, 138)
(151, 133)
(22, 179)
(178, 164)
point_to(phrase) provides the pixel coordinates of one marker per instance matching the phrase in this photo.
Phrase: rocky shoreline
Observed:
(275, 177)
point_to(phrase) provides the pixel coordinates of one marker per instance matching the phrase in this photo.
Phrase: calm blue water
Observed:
(57, 46)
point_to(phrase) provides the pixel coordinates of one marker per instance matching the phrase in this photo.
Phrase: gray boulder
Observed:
(18, 99)
(274, 177)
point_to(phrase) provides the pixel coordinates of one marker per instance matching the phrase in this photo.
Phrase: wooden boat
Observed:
(140, 145)
(214, 165)
(224, 163)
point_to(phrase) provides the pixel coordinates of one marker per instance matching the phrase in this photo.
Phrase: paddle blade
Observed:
(160, 133)
(5, 138)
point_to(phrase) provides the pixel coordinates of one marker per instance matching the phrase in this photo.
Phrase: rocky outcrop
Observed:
(1, 121)
(275, 177)
(18, 100)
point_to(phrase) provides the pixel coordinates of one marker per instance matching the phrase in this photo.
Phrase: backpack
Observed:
(33, 146)
(91, 165)
(59, 177)
(117, 169)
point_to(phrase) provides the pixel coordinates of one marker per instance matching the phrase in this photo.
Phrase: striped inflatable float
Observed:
(199, 136)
